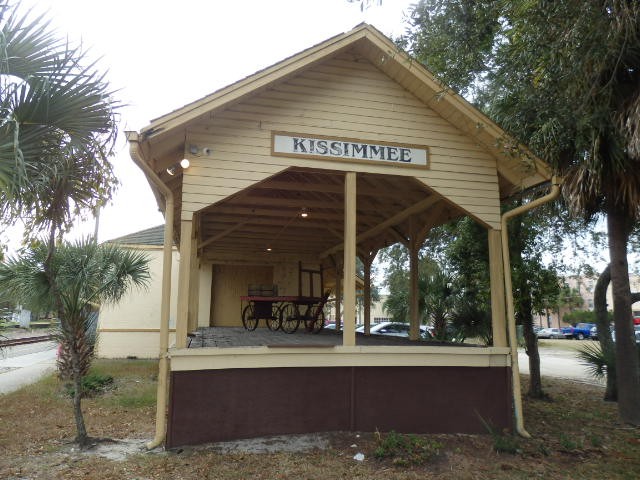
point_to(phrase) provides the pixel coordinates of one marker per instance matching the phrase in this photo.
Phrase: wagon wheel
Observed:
(273, 322)
(289, 318)
(315, 325)
(249, 319)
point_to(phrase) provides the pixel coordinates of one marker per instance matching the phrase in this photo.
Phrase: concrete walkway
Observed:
(18, 371)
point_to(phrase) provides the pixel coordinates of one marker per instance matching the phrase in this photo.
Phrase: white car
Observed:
(549, 333)
(395, 329)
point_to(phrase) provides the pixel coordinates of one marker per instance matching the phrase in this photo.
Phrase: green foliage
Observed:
(87, 275)
(569, 443)
(599, 365)
(503, 442)
(582, 316)
(93, 384)
(405, 450)
(58, 127)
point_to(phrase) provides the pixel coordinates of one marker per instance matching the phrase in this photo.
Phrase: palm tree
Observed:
(86, 276)
(53, 105)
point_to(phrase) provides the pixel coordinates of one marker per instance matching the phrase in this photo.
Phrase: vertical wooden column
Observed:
(349, 264)
(184, 277)
(338, 296)
(414, 311)
(496, 272)
(194, 285)
(367, 261)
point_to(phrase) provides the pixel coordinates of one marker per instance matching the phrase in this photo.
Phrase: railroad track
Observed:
(26, 340)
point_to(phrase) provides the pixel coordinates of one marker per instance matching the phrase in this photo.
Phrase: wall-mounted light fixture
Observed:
(304, 213)
(184, 164)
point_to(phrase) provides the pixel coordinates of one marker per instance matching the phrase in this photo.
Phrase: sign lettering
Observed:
(304, 146)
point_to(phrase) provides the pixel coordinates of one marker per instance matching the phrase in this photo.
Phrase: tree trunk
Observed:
(531, 346)
(524, 314)
(626, 350)
(82, 439)
(604, 332)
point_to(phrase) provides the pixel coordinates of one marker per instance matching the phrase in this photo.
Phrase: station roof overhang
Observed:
(389, 207)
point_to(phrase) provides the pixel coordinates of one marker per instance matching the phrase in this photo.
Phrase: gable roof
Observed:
(153, 236)
(518, 168)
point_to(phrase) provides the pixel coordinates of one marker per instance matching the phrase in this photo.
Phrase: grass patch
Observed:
(404, 450)
(563, 344)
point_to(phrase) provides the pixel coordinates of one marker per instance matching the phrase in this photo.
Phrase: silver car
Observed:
(549, 333)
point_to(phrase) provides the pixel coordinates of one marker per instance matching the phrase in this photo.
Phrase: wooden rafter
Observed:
(424, 204)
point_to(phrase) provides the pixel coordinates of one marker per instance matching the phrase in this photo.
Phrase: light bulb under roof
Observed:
(304, 213)
(184, 163)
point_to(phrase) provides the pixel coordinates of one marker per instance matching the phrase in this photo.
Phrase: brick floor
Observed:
(239, 337)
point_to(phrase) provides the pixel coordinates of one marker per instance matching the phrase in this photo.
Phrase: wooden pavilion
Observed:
(376, 151)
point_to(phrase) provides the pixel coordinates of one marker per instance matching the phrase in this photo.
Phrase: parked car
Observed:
(395, 329)
(580, 331)
(549, 333)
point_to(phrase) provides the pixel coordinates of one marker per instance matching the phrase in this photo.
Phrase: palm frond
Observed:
(598, 364)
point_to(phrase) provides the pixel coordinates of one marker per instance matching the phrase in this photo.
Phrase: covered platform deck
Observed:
(229, 337)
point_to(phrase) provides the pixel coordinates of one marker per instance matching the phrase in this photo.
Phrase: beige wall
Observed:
(344, 97)
(138, 310)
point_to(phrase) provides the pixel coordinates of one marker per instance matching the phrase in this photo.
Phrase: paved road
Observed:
(558, 363)
(24, 364)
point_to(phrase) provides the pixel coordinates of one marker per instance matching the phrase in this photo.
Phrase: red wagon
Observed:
(286, 312)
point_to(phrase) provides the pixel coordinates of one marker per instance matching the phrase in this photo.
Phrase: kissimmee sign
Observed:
(303, 146)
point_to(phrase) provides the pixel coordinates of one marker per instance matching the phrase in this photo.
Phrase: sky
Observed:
(160, 55)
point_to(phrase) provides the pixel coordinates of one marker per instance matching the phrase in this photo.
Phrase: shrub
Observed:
(93, 384)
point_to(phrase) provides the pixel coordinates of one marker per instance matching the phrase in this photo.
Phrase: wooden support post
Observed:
(496, 272)
(338, 296)
(184, 277)
(194, 286)
(349, 264)
(367, 261)
(414, 311)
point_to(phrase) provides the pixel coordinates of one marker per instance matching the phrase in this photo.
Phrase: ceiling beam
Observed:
(399, 217)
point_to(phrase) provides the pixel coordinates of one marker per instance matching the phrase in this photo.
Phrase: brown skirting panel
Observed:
(217, 405)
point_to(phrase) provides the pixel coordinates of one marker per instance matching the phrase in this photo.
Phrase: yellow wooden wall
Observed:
(228, 284)
(343, 97)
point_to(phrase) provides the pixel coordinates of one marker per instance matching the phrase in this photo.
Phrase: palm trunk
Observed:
(82, 439)
(604, 333)
(69, 336)
(626, 350)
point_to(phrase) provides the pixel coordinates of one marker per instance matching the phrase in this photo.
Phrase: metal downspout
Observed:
(163, 367)
(511, 317)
